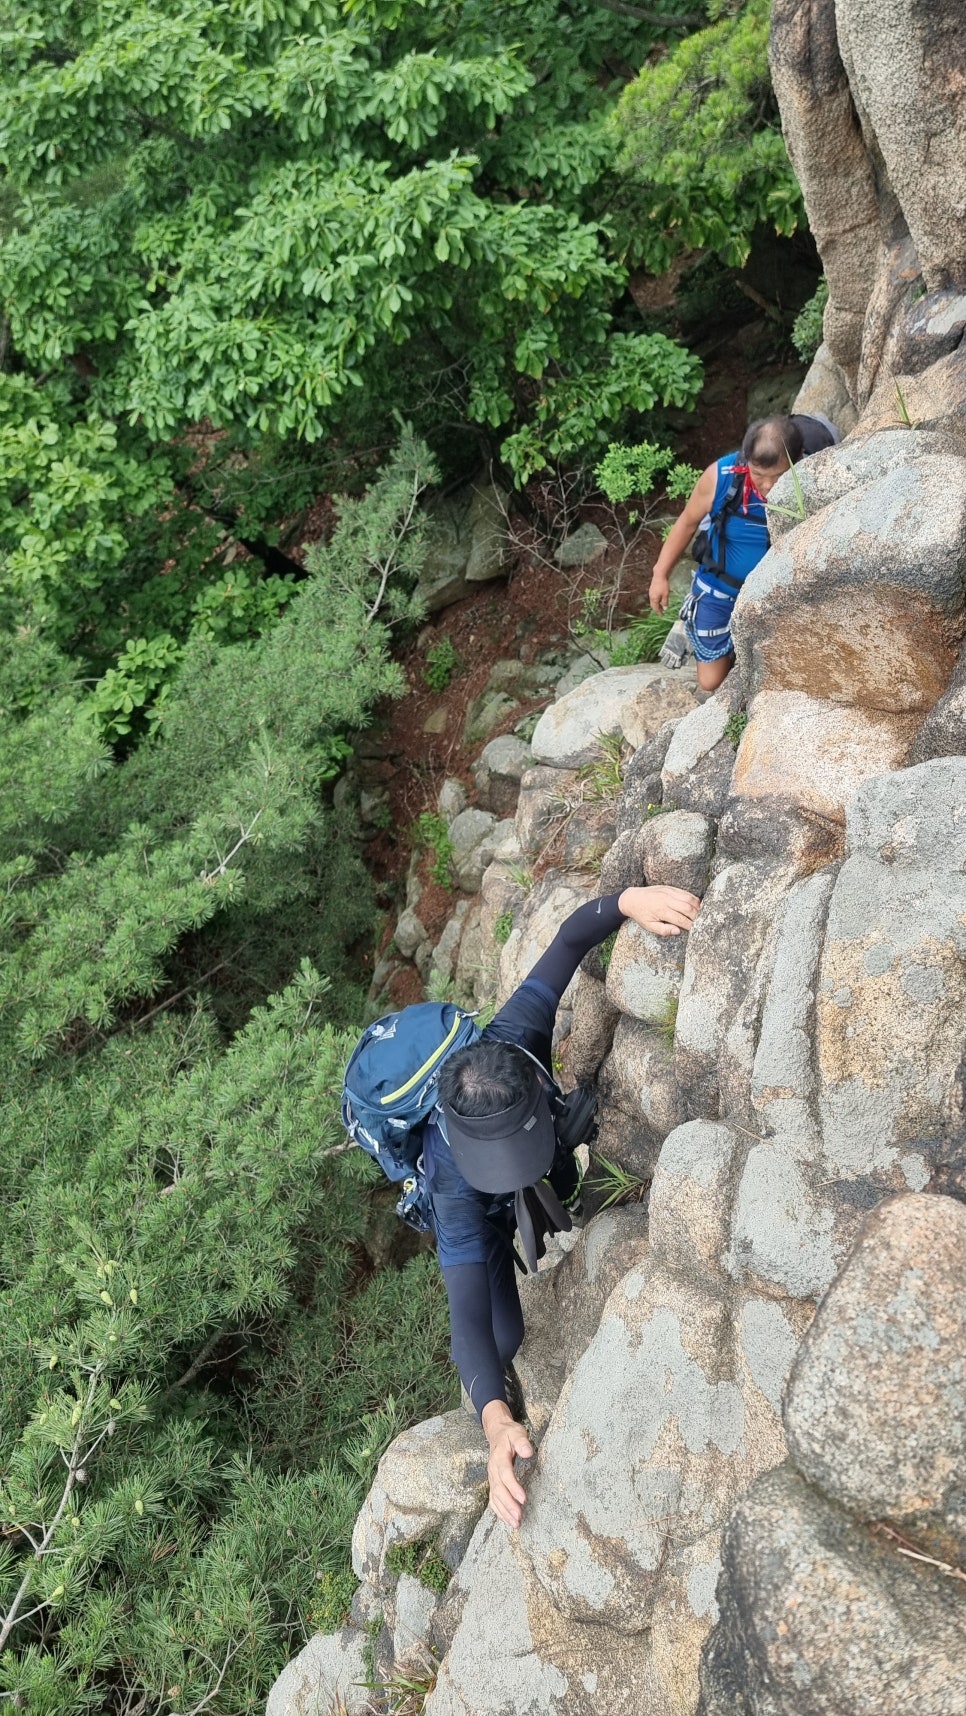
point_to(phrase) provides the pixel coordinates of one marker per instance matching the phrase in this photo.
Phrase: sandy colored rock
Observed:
(697, 766)
(430, 1484)
(876, 1410)
(498, 772)
(592, 1032)
(645, 971)
(328, 1674)
(664, 699)
(541, 914)
(639, 1077)
(800, 762)
(892, 977)
(562, 1306)
(691, 1196)
(676, 850)
(644, 1455)
(737, 914)
(820, 1619)
(543, 805)
(513, 1654)
(861, 603)
(825, 391)
(568, 732)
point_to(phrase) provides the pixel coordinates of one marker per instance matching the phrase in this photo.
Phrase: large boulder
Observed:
(645, 972)
(644, 1455)
(737, 917)
(562, 1306)
(513, 1654)
(892, 978)
(613, 702)
(860, 605)
(430, 1485)
(329, 1674)
(498, 771)
(820, 1619)
(467, 545)
(699, 761)
(876, 1410)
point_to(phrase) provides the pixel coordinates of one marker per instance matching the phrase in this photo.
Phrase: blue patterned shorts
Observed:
(707, 620)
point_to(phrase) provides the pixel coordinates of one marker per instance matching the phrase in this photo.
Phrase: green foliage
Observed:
(616, 1184)
(735, 726)
(635, 470)
(667, 1024)
(442, 662)
(807, 332)
(277, 221)
(421, 1561)
(701, 144)
(606, 949)
(197, 1380)
(431, 832)
(604, 777)
(503, 928)
(646, 635)
(128, 690)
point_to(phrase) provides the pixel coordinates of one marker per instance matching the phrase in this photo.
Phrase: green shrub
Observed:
(431, 832)
(735, 726)
(807, 333)
(442, 662)
(421, 1561)
(503, 928)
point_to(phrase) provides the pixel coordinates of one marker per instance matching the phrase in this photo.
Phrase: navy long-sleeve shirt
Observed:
(467, 1222)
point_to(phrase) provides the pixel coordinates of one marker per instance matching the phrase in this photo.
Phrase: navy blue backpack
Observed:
(391, 1088)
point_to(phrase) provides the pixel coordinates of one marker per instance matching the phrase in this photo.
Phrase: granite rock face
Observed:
(839, 1590)
(616, 701)
(876, 1410)
(820, 1619)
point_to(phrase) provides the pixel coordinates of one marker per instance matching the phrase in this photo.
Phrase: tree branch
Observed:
(75, 1464)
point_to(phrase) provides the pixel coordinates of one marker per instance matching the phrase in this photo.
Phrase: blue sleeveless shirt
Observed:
(745, 533)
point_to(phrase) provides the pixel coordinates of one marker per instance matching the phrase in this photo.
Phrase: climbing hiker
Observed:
(486, 1140)
(725, 516)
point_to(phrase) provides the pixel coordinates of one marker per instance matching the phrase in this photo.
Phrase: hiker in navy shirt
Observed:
(727, 504)
(494, 1136)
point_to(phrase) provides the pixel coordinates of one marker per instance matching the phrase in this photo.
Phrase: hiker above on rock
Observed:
(725, 516)
(474, 1127)
(494, 1137)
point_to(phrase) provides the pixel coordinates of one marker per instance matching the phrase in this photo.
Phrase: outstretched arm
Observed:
(481, 1372)
(663, 911)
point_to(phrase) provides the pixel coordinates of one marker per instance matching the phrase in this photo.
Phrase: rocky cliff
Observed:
(749, 1387)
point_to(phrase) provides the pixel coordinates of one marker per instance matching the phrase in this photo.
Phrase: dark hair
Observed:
(771, 440)
(484, 1079)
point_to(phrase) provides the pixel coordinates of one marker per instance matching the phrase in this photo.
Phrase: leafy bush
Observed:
(431, 831)
(442, 662)
(807, 332)
(281, 222)
(196, 1383)
(735, 726)
(702, 147)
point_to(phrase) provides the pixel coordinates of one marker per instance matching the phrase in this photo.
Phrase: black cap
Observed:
(503, 1152)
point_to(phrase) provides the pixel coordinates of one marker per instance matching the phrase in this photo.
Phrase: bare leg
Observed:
(711, 674)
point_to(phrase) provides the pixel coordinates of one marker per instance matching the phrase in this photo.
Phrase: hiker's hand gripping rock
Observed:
(663, 911)
(508, 1442)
